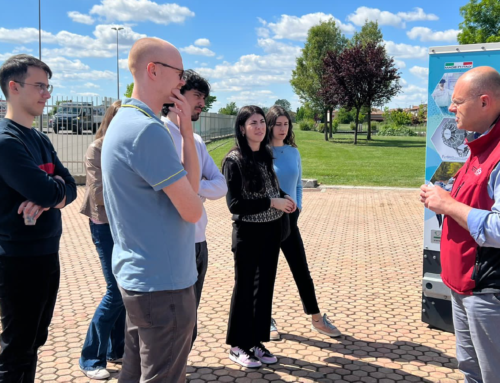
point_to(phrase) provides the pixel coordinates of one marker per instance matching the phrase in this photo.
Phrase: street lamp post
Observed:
(117, 63)
(40, 52)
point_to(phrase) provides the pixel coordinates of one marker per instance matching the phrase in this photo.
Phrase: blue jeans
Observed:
(106, 335)
(476, 319)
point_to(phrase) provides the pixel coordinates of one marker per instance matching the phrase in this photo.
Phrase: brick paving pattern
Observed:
(364, 249)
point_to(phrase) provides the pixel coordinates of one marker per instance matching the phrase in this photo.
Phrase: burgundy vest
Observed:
(459, 251)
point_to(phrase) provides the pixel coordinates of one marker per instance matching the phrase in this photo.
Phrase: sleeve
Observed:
(484, 225)
(213, 184)
(70, 183)
(234, 198)
(94, 173)
(21, 173)
(299, 182)
(155, 158)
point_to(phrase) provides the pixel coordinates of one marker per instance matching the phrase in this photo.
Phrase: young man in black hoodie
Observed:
(34, 186)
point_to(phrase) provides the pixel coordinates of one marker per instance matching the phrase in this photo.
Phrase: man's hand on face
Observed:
(436, 199)
(183, 111)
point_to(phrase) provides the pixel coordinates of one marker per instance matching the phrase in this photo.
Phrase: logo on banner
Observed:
(459, 65)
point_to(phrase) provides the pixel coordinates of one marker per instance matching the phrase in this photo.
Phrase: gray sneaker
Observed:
(274, 334)
(326, 327)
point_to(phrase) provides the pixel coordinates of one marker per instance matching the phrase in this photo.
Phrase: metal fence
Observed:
(71, 123)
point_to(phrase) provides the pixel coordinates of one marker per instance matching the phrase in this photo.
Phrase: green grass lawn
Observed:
(384, 161)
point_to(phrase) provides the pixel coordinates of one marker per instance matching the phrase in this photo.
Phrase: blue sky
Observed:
(246, 50)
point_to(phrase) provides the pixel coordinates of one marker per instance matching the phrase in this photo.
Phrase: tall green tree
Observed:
(129, 90)
(481, 22)
(285, 104)
(209, 101)
(307, 76)
(230, 109)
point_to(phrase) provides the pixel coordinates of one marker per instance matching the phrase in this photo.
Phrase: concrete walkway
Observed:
(364, 249)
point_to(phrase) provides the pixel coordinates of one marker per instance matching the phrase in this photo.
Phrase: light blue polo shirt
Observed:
(154, 247)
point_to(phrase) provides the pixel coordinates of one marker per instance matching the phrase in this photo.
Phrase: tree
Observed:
(359, 75)
(129, 90)
(230, 109)
(370, 33)
(209, 101)
(308, 73)
(481, 22)
(285, 104)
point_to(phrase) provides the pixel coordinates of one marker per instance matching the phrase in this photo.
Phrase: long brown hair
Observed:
(271, 118)
(108, 116)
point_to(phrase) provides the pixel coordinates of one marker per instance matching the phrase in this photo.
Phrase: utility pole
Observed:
(117, 64)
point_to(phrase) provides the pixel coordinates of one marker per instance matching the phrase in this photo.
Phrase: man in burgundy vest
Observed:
(470, 241)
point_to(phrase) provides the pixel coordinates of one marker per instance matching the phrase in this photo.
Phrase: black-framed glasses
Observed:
(181, 74)
(42, 88)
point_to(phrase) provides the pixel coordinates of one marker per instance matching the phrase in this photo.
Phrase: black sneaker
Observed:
(264, 355)
(244, 358)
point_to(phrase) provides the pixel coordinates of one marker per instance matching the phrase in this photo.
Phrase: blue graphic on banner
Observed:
(446, 144)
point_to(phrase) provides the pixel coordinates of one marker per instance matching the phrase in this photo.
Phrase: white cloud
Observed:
(142, 10)
(296, 28)
(260, 97)
(220, 57)
(63, 65)
(273, 46)
(420, 72)
(362, 14)
(91, 85)
(15, 51)
(78, 17)
(263, 32)
(410, 95)
(405, 51)
(202, 42)
(123, 63)
(103, 44)
(400, 64)
(426, 34)
(418, 14)
(92, 75)
(192, 50)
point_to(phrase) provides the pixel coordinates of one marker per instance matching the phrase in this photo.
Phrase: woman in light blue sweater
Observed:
(288, 168)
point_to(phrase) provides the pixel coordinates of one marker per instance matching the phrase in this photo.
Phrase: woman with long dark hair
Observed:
(288, 168)
(257, 204)
(105, 340)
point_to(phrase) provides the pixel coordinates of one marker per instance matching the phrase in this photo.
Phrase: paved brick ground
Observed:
(364, 251)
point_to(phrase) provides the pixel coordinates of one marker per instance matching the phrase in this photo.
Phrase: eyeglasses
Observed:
(459, 103)
(181, 74)
(42, 88)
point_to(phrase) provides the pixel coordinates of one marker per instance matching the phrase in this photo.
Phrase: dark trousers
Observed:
(256, 249)
(201, 266)
(295, 254)
(105, 338)
(28, 293)
(158, 337)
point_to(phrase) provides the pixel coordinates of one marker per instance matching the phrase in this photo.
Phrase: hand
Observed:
(283, 204)
(436, 199)
(183, 111)
(294, 204)
(30, 209)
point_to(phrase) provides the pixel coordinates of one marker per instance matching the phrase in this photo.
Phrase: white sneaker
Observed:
(244, 358)
(326, 327)
(99, 374)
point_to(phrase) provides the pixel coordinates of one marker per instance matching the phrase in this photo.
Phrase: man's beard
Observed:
(195, 116)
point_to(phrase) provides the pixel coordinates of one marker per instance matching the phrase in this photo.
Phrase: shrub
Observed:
(306, 124)
(392, 130)
(353, 125)
(374, 125)
(335, 125)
